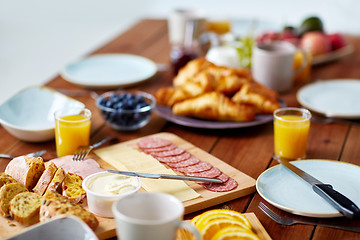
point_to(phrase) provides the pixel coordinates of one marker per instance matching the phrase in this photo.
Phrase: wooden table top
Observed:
(247, 149)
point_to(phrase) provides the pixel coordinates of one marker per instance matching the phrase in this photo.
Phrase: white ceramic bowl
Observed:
(64, 227)
(29, 115)
(99, 203)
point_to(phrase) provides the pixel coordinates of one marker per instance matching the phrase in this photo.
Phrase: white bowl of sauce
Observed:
(104, 188)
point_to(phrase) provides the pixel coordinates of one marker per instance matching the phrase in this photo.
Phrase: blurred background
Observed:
(39, 37)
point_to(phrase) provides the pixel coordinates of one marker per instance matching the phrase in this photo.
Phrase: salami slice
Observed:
(229, 185)
(160, 149)
(223, 177)
(174, 159)
(174, 152)
(188, 162)
(199, 167)
(211, 173)
(151, 142)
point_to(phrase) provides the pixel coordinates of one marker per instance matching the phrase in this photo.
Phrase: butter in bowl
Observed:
(104, 188)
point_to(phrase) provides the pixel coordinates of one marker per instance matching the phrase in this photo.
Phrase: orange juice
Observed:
(71, 132)
(291, 134)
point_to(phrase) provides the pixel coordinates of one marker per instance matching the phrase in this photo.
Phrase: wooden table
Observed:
(247, 149)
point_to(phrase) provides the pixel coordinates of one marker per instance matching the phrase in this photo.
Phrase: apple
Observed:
(337, 40)
(315, 42)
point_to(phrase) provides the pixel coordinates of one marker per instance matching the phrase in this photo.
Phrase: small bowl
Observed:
(126, 110)
(100, 203)
(29, 115)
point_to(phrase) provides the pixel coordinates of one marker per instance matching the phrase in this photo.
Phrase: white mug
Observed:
(150, 216)
(272, 65)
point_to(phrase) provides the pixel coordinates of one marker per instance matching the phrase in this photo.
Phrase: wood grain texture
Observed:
(247, 150)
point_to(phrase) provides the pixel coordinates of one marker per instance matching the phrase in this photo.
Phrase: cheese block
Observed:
(45, 179)
(26, 170)
(25, 207)
(123, 157)
(8, 192)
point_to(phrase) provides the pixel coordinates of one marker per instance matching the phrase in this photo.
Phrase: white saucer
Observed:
(285, 190)
(109, 70)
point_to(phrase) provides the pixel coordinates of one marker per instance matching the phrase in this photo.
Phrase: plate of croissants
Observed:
(205, 95)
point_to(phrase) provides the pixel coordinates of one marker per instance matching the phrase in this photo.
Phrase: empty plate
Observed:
(109, 70)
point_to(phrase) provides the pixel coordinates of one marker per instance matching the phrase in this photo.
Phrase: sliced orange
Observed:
(232, 233)
(203, 219)
(211, 228)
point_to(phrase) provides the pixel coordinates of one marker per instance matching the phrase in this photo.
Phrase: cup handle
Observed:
(190, 228)
(304, 63)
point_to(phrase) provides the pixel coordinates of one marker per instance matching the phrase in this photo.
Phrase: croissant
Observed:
(207, 77)
(215, 106)
(264, 99)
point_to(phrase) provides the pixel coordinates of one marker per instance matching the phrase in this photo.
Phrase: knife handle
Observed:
(337, 200)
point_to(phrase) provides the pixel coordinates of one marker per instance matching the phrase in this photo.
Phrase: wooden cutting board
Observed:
(106, 229)
(246, 184)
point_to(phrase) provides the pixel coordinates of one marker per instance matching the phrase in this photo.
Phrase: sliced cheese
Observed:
(123, 157)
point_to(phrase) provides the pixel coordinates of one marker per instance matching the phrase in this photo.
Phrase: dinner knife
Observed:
(167, 176)
(34, 154)
(344, 205)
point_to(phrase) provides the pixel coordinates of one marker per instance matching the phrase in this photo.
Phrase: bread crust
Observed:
(45, 179)
(26, 170)
(54, 204)
(57, 180)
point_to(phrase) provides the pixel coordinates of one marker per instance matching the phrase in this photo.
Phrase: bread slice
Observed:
(26, 170)
(57, 180)
(54, 204)
(5, 179)
(45, 179)
(25, 208)
(8, 192)
(72, 187)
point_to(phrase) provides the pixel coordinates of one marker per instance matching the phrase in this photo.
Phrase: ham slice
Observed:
(83, 168)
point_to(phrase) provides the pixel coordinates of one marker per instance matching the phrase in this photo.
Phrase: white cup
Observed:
(150, 216)
(272, 65)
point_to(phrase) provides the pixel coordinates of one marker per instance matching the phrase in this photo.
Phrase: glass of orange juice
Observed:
(72, 129)
(291, 130)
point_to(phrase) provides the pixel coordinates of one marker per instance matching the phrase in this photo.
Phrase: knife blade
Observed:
(340, 202)
(167, 176)
(34, 154)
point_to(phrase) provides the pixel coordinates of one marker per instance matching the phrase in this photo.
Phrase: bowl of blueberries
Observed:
(126, 110)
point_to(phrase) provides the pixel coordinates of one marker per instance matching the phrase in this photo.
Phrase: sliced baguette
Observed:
(72, 187)
(57, 180)
(54, 204)
(8, 192)
(26, 170)
(45, 179)
(25, 208)
(5, 179)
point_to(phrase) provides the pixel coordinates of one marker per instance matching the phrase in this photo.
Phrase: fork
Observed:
(290, 221)
(82, 152)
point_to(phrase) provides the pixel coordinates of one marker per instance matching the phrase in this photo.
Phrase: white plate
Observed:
(333, 98)
(285, 190)
(109, 70)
